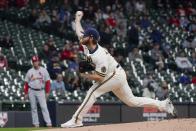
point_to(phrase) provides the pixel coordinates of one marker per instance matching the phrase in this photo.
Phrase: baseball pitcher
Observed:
(37, 82)
(108, 76)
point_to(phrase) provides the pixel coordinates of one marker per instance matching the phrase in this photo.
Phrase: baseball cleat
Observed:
(71, 124)
(36, 126)
(169, 107)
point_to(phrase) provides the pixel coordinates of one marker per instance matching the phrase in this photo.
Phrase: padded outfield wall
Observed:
(100, 113)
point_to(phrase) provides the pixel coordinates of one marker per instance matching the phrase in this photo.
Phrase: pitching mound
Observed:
(165, 125)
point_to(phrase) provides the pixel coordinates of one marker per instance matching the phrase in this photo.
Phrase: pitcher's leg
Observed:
(86, 104)
(33, 103)
(76, 120)
(95, 91)
(42, 101)
(125, 94)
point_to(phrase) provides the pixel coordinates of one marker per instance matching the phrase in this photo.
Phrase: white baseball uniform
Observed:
(36, 81)
(115, 80)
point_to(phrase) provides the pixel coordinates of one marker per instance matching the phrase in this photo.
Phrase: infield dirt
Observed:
(165, 125)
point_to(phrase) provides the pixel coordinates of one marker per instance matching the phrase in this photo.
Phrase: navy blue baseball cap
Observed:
(92, 32)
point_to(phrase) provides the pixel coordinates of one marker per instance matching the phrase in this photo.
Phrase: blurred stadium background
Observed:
(153, 40)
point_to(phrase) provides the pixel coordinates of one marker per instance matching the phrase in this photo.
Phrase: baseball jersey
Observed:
(36, 78)
(101, 58)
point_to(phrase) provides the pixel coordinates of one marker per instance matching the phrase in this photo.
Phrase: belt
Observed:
(36, 89)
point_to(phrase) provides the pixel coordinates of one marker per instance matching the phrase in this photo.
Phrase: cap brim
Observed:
(84, 34)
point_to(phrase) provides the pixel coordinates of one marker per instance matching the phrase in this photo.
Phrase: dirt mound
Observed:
(165, 125)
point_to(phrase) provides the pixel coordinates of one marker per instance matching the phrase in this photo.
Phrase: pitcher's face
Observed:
(85, 40)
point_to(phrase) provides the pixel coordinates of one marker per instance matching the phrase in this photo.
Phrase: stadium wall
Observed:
(100, 113)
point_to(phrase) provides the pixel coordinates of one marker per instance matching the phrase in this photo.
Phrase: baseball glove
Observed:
(85, 66)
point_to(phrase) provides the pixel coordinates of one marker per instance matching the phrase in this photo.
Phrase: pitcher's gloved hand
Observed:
(85, 66)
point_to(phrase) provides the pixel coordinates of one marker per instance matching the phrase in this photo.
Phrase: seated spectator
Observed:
(157, 57)
(193, 81)
(133, 36)
(105, 36)
(150, 86)
(174, 21)
(67, 53)
(45, 54)
(33, 17)
(64, 19)
(3, 4)
(192, 25)
(120, 59)
(54, 15)
(193, 59)
(180, 11)
(110, 21)
(149, 92)
(149, 80)
(111, 50)
(71, 81)
(99, 15)
(3, 61)
(184, 79)
(184, 22)
(108, 9)
(159, 4)
(129, 8)
(85, 85)
(156, 36)
(162, 92)
(134, 55)
(68, 86)
(55, 24)
(140, 6)
(58, 84)
(51, 44)
(121, 29)
(22, 3)
(49, 49)
(189, 42)
(42, 19)
(144, 22)
(167, 50)
(61, 15)
(55, 67)
(190, 10)
(73, 65)
(183, 62)
(6, 42)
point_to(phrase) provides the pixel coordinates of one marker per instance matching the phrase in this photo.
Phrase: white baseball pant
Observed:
(39, 96)
(117, 83)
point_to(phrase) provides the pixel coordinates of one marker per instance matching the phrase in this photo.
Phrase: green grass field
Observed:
(20, 129)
